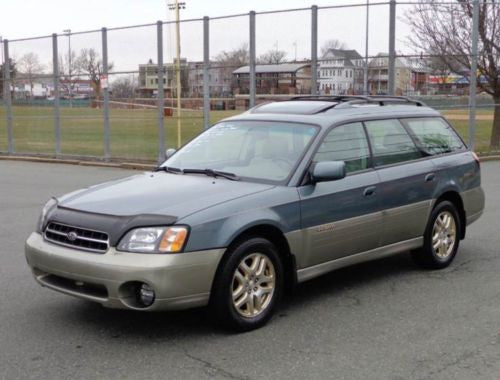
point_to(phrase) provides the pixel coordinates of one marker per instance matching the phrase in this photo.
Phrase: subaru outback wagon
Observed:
(278, 195)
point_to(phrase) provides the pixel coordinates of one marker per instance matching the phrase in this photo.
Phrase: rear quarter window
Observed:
(434, 135)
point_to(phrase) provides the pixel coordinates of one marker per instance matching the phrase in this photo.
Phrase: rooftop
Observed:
(276, 68)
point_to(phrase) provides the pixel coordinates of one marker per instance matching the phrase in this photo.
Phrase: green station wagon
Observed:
(280, 194)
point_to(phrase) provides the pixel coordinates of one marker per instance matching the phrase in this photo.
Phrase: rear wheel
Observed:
(248, 285)
(441, 238)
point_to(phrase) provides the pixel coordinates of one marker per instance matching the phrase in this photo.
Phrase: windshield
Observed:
(261, 150)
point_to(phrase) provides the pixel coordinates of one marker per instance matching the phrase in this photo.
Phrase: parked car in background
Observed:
(278, 195)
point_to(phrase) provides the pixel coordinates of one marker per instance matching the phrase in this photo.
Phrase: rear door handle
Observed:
(430, 177)
(369, 191)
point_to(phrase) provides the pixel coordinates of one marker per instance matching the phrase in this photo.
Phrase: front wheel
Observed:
(248, 285)
(442, 237)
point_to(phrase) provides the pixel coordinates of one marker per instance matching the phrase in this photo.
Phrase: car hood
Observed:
(159, 193)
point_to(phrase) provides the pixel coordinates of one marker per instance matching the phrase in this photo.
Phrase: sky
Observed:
(129, 47)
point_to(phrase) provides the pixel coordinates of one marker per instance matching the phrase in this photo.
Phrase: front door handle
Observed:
(369, 191)
(430, 177)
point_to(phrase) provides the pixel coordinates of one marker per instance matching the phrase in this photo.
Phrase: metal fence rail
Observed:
(105, 126)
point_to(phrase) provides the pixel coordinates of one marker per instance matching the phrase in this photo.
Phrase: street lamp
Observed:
(68, 32)
(177, 6)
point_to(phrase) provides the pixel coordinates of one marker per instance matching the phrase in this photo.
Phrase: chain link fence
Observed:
(111, 94)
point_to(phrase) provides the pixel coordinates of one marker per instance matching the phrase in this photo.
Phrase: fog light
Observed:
(146, 295)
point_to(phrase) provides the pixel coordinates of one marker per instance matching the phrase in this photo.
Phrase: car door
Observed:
(407, 180)
(342, 217)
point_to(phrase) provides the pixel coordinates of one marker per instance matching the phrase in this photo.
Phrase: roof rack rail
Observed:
(381, 100)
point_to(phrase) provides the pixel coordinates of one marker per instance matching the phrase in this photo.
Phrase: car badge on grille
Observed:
(72, 236)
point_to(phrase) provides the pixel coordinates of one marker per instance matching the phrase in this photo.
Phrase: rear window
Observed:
(434, 135)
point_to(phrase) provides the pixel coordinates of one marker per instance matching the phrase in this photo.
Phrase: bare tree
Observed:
(29, 67)
(230, 60)
(89, 63)
(273, 56)
(234, 58)
(332, 44)
(124, 87)
(446, 29)
(67, 71)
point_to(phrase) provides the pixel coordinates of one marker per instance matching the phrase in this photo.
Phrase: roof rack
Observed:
(349, 100)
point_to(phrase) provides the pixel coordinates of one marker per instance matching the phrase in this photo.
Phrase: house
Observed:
(411, 75)
(219, 84)
(79, 88)
(148, 78)
(340, 72)
(282, 78)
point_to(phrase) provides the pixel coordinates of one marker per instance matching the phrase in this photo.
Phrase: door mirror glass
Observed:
(328, 171)
(169, 153)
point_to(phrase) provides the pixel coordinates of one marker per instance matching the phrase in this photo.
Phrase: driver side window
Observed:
(346, 143)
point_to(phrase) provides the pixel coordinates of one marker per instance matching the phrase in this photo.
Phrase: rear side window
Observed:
(434, 135)
(390, 142)
(345, 143)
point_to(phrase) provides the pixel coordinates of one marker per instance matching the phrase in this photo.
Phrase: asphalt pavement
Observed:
(386, 319)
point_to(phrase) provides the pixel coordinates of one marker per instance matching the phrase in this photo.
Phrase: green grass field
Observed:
(134, 132)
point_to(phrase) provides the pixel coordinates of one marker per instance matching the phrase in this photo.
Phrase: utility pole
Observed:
(176, 6)
(68, 32)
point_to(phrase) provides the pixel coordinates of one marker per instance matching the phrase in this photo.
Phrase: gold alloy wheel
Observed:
(444, 234)
(253, 285)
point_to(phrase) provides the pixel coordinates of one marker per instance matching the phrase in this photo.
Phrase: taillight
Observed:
(476, 158)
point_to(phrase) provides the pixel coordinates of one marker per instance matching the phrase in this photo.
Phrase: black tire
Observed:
(222, 306)
(427, 256)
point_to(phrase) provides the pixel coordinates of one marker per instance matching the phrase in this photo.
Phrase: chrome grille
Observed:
(76, 237)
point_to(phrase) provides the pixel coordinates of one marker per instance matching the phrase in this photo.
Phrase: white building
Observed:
(340, 72)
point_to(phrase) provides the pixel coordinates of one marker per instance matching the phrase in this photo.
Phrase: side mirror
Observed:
(328, 171)
(170, 152)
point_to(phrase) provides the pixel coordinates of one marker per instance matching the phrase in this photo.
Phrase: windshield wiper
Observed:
(168, 169)
(212, 173)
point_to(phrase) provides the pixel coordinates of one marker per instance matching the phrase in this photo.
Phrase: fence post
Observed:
(206, 65)
(365, 71)
(161, 94)
(392, 48)
(314, 50)
(55, 76)
(252, 59)
(8, 99)
(105, 91)
(473, 75)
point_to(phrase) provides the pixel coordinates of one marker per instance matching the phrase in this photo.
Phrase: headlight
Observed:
(154, 240)
(48, 206)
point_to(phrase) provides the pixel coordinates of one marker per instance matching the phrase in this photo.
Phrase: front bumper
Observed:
(180, 281)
